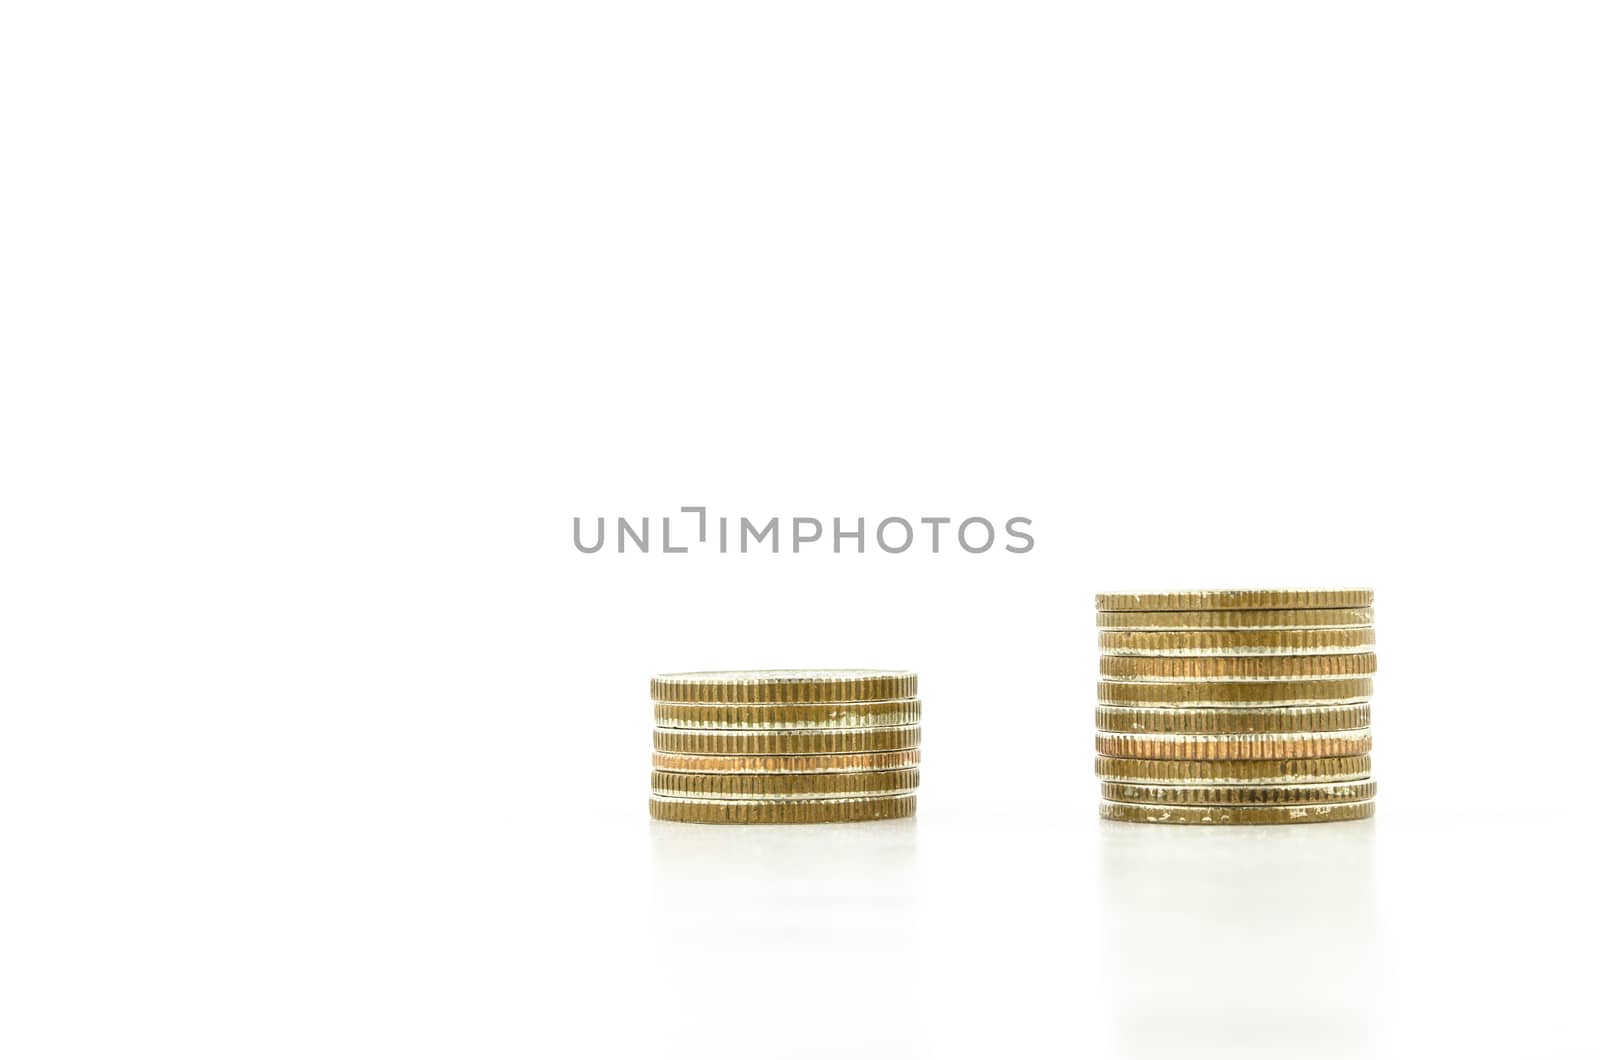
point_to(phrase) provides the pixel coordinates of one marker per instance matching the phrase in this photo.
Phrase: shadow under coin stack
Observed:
(785, 746)
(1236, 706)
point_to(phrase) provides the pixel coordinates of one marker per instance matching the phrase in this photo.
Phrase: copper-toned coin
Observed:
(1233, 719)
(1237, 794)
(1263, 771)
(841, 715)
(1267, 668)
(1337, 811)
(1235, 693)
(787, 741)
(1180, 621)
(1233, 599)
(782, 785)
(782, 811)
(852, 763)
(1234, 746)
(783, 686)
(1228, 643)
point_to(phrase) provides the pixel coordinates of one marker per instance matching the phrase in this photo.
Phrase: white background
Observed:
(321, 322)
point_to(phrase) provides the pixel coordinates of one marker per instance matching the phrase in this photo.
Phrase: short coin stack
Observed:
(1236, 706)
(785, 746)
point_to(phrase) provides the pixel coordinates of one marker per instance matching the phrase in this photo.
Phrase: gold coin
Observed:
(1333, 811)
(788, 715)
(1233, 719)
(856, 763)
(792, 742)
(1268, 668)
(1180, 621)
(1262, 771)
(1230, 693)
(1230, 643)
(1233, 746)
(1237, 794)
(782, 785)
(797, 811)
(784, 686)
(1233, 599)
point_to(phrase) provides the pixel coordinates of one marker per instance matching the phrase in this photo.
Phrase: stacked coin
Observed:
(785, 746)
(1236, 706)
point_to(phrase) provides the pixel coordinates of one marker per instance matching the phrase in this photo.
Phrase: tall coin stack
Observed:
(1247, 706)
(785, 746)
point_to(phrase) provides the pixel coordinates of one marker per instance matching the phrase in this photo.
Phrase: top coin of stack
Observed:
(1236, 706)
(785, 746)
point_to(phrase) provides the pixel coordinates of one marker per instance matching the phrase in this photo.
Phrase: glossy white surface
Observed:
(1026, 932)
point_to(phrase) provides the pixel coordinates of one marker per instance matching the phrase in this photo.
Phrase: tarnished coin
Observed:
(1269, 668)
(1141, 814)
(1179, 621)
(1264, 771)
(852, 763)
(782, 811)
(1233, 719)
(1237, 794)
(1234, 599)
(1234, 746)
(1230, 693)
(1229, 643)
(782, 785)
(783, 686)
(787, 742)
(840, 715)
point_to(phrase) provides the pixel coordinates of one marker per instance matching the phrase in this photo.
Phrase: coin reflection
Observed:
(804, 933)
(1240, 941)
